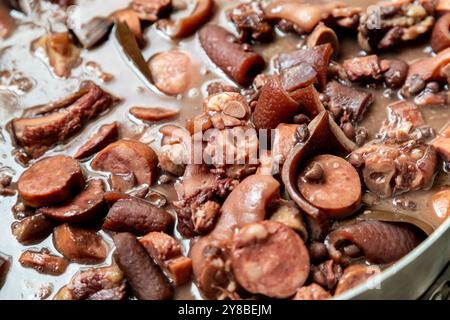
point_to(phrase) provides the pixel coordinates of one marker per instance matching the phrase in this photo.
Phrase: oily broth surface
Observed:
(15, 56)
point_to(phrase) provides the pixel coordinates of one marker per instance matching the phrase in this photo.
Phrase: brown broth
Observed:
(16, 57)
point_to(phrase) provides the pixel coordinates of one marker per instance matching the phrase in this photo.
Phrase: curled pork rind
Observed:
(387, 24)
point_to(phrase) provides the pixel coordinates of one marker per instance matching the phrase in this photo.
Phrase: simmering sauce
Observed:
(36, 84)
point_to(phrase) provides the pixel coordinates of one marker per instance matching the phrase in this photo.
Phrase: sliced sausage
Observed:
(104, 136)
(50, 181)
(396, 72)
(209, 258)
(331, 184)
(32, 229)
(247, 203)
(86, 206)
(43, 262)
(123, 182)
(269, 258)
(79, 245)
(355, 275)
(146, 279)
(153, 114)
(137, 216)
(128, 156)
(171, 71)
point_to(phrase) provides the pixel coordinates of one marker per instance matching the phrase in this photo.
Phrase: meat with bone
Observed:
(39, 134)
(105, 283)
(388, 24)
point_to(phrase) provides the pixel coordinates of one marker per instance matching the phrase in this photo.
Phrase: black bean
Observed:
(301, 119)
(356, 160)
(302, 133)
(433, 86)
(352, 251)
(315, 173)
(348, 130)
(318, 251)
(336, 111)
(361, 136)
(416, 84)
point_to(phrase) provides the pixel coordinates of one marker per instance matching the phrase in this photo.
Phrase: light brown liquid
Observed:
(16, 57)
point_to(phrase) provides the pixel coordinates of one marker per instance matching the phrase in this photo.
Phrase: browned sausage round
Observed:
(85, 206)
(32, 229)
(128, 156)
(247, 203)
(171, 71)
(50, 181)
(80, 245)
(331, 184)
(269, 258)
(396, 72)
